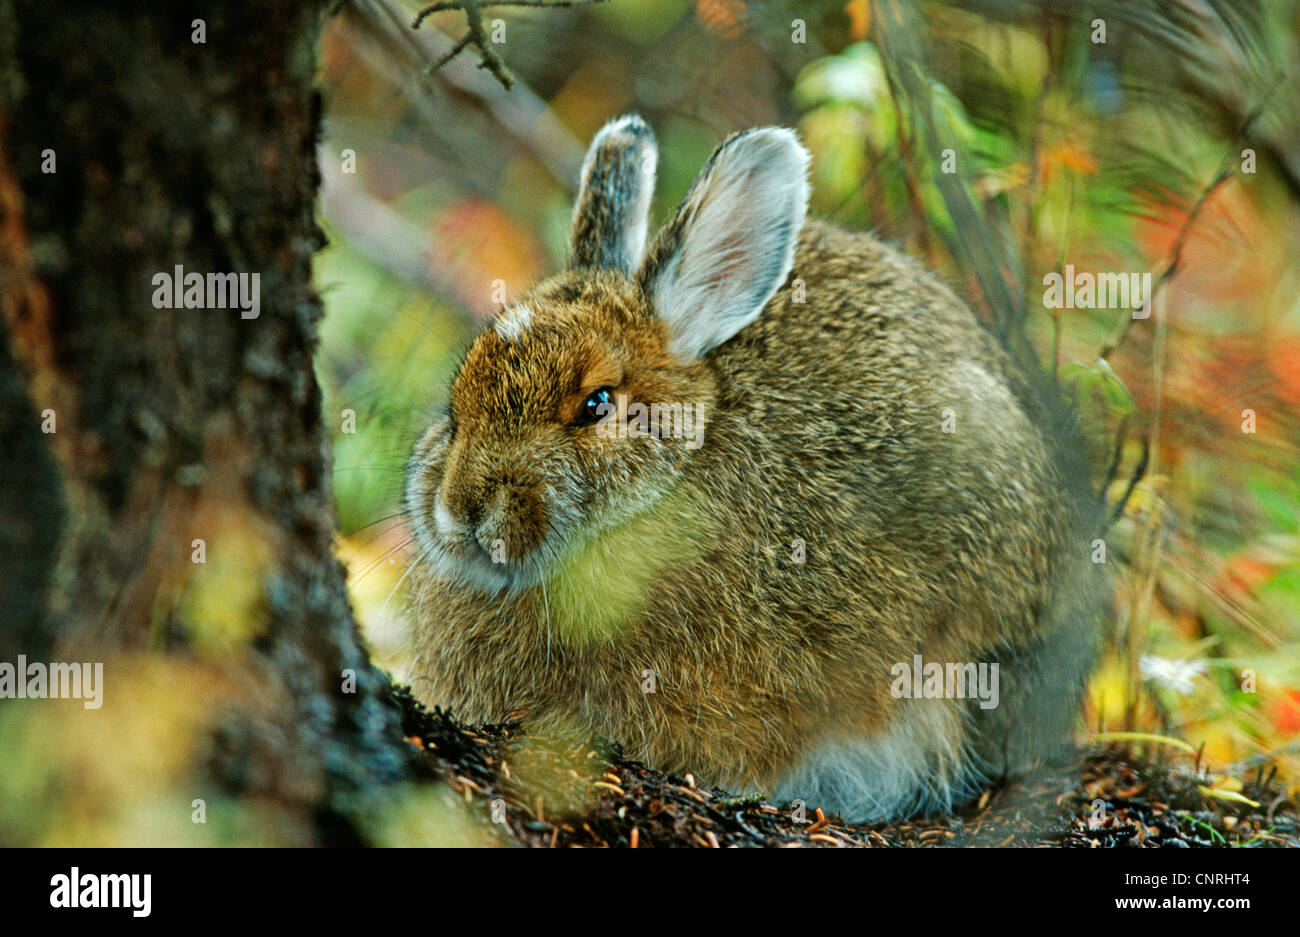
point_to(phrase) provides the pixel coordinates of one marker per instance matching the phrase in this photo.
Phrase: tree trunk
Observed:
(182, 503)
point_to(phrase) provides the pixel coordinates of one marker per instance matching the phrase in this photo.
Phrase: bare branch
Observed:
(475, 34)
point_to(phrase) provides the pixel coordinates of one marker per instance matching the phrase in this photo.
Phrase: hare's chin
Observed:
(465, 564)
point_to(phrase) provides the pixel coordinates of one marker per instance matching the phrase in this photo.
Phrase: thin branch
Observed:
(1176, 255)
(1175, 258)
(454, 51)
(476, 35)
(393, 50)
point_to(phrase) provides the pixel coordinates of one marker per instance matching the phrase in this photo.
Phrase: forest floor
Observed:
(548, 793)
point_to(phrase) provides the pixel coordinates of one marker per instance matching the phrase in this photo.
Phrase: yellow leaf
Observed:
(1226, 795)
(1228, 784)
(996, 181)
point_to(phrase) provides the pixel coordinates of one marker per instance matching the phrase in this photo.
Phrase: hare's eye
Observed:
(598, 404)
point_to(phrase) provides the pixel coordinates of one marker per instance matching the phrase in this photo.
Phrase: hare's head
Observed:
(582, 402)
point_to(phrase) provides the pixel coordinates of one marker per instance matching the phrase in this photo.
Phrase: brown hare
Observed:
(763, 501)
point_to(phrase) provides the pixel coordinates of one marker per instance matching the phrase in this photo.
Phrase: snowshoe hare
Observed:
(762, 501)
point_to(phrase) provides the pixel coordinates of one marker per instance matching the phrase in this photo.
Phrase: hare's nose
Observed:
(513, 522)
(457, 510)
(465, 486)
(492, 530)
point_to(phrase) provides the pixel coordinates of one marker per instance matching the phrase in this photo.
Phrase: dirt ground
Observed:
(550, 793)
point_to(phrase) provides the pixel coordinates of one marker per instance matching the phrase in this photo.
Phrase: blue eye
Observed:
(596, 406)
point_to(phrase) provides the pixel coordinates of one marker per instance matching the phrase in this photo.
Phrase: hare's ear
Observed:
(731, 244)
(618, 178)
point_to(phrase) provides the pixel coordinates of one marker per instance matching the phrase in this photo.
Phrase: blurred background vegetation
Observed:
(1171, 147)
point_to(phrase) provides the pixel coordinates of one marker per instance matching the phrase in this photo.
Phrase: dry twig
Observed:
(476, 35)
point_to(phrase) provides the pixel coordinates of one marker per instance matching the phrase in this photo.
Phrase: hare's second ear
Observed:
(731, 244)
(618, 179)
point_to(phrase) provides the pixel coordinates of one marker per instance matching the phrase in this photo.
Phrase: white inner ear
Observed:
(634, 239)
(738, 246)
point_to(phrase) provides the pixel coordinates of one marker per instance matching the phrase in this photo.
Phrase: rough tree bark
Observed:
(177, 425)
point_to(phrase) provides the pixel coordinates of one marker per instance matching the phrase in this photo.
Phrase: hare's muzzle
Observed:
(504, 516)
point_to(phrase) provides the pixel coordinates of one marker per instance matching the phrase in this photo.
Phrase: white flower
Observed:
(1175, 675)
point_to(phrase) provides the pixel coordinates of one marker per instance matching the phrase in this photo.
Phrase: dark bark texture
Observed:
(177, 425)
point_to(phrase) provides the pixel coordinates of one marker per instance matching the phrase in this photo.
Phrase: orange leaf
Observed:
(1286, 713)
(1067, 154)
(721, 16)
(859, 12)
(1244, 574)
(1284, 359)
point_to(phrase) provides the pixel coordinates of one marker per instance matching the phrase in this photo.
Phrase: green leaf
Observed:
(1097, 386)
